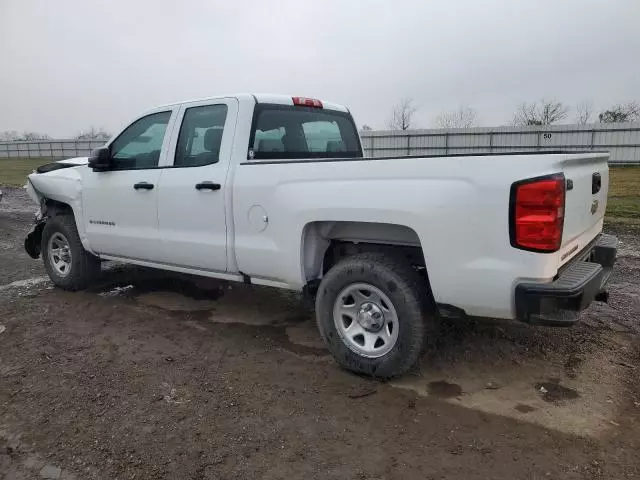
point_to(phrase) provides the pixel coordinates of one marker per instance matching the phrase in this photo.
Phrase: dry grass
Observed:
(14, 171)
(623, 205)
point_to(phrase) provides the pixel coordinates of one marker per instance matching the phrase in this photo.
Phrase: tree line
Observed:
(91, 133)
(541, 112)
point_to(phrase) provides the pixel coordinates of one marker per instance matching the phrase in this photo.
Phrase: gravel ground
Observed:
(149, 375)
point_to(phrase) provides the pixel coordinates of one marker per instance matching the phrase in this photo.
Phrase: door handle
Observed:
(143, 186)
(208, 186)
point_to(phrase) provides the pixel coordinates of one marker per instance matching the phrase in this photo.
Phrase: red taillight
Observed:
(307, 102)
(537, 213)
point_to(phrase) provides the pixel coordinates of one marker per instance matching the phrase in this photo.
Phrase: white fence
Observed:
(621, 140)
(53, 149)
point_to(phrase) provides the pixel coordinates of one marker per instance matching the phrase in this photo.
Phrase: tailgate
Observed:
(587, 177)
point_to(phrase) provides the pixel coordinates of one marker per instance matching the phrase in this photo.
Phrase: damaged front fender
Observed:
(57, 189)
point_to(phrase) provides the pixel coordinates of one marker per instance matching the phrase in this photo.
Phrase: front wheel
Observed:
(68, 264)
(371, 312)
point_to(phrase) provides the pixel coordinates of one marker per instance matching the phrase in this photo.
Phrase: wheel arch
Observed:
(319, 237)
(51, 207)
(56, 207)
(324, 243)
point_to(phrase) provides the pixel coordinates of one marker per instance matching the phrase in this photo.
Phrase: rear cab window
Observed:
(292, 132)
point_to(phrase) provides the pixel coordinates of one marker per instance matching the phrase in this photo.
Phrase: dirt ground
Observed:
(150, 376)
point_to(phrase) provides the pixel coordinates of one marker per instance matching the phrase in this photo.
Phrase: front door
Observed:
(121, 205)
(194, 193)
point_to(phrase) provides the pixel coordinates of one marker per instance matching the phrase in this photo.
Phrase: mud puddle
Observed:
(443, 389)
(553, 392)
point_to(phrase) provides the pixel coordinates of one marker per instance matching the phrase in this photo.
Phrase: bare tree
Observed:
(30, 136)
(463, 117)
(9, 136)
(13, 136)
(544, 112)
(366, 127)
(93, 134)
(629, 112)
(584, 111)
(402, 115)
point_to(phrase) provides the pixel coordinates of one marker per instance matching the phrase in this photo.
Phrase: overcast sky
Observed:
(69, 64)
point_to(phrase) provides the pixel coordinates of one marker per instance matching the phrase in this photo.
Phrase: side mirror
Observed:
(100, 160)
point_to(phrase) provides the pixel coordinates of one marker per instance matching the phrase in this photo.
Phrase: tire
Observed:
(81, 267)
(344, 289)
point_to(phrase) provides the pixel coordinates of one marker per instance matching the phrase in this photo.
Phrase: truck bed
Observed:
(457, 205)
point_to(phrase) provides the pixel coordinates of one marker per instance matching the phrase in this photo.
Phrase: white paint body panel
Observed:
(456, 206)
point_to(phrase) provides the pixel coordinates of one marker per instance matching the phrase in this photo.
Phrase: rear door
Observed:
(191, 203)
(587, 177)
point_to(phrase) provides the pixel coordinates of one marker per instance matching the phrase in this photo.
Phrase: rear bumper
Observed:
(577, 285)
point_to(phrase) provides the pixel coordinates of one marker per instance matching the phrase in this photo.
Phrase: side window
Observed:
(140, 144)
(200, 136)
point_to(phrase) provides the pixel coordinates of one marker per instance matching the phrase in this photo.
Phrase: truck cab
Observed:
(162, 191)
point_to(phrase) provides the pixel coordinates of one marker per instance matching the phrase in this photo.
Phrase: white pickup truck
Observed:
(274, 190)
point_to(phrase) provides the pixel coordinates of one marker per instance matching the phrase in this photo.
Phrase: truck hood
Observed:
(75, 161)
(69, 162)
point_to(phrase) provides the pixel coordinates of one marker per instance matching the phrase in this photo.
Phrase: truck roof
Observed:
(262, 98)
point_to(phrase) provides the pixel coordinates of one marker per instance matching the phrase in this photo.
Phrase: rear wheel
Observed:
(68, 264)
(371, 311)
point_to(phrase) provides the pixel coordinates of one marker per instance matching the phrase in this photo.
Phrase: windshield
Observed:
(295, 132)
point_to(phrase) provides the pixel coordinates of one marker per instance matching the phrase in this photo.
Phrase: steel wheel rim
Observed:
(366, 320)
(60, 254)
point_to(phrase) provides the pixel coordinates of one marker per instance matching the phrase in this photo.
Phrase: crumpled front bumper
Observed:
(33, 240)
(578, 284)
